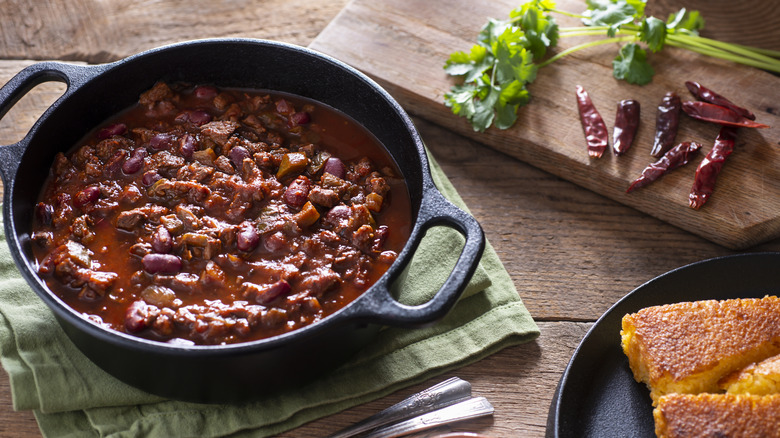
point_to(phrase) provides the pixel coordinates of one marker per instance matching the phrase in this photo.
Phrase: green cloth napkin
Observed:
(72, 397)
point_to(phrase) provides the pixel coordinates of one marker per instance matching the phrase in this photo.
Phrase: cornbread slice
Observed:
(760, 378)
(717, 415)
(688, 347)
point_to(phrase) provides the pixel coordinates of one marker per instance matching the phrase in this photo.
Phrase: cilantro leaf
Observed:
(484, 112)
(470, 65)
(631, 65)
(612, 13)
(653, 32)
(506, 115)
(460, 99)
(541, 31)
(497, 69)
(458, 64)
(509, 54)
(691, 21)
(514, 93)
(639, 5)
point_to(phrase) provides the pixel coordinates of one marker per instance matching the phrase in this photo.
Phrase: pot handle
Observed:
(436, 210)
(72, 75)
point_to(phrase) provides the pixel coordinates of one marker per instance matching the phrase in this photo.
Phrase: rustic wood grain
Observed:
(101, 31)
(519, 382)
(405, 53)
(571, 252)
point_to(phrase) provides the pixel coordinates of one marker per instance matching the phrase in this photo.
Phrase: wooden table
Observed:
(571, 253)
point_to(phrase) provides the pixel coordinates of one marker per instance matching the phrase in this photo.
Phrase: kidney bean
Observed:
(247, 238)
(137, 316)
(300, 118)
(205, 92)
(44, 212)
(150, 177)
(88, 195)
(237, 156)
(161, 263)
(339, 212)
(162, 242)
(135, 163)
(297, 192)
(161, 141)
(187, 146)
(112, 130)
(335, 167)
(196, 117)
(270, 292)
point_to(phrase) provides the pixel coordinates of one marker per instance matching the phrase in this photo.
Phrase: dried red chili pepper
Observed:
(710, 167)
(596, 133)
(718, 114)
(677, 156)
(703, 93)
(626, 123)
(666, 122)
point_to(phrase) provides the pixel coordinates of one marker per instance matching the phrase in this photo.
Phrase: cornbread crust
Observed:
(687, 347)
(761, 378)
(717, 415)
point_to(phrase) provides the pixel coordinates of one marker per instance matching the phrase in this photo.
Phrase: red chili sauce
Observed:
(213, 216)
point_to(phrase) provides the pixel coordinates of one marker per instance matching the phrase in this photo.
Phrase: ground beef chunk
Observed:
(219, 131)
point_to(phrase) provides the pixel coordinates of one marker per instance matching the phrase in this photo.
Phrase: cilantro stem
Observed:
(571, 50)
(588, 32)
(706, 43)
(568, 14)
(732, 47)
(596, 29)
(775, 67)
(767, 52)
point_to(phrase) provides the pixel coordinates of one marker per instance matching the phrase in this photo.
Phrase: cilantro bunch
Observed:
(497, 70)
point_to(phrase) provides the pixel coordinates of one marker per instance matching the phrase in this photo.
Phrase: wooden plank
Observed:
(403, 45)
(102, 31)
(518, 381)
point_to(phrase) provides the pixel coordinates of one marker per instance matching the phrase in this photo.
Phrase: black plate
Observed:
(597, 394)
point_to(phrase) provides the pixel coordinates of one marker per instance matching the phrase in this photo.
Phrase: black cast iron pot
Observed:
(231, 372)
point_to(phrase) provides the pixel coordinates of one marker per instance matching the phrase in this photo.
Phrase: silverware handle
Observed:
(465, 410)
(438, 396)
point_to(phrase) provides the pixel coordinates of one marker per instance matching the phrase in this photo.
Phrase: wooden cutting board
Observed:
(403, 45)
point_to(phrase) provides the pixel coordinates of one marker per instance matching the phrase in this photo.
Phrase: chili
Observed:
(666, 123)
(707, 95)
(709, 112)
(211, 216)
(593, 125)
(710, 167)
(677, 156)
(626, 124)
